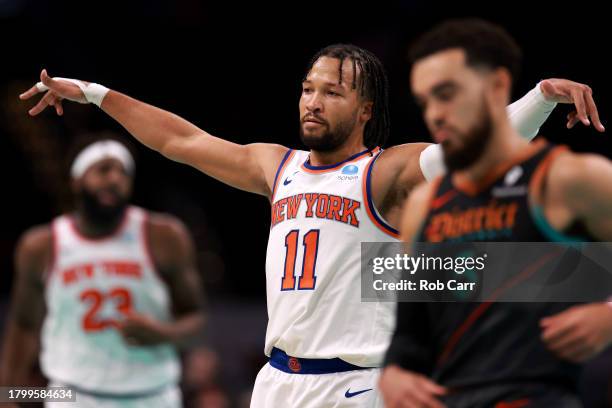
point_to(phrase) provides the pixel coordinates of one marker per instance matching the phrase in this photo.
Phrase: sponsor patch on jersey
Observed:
(348, 173)
(350, 169)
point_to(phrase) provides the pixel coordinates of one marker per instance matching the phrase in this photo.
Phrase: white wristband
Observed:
(530, 112)
(432, 162)
(94, 93)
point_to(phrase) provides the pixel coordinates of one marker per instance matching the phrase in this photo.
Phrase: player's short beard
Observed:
(97, 213)
(475, 141)
(332, 138)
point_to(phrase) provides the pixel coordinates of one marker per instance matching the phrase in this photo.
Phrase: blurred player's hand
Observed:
(579, 332)
(402, 388)
(58, 90)
(141, 330)
(565, 91)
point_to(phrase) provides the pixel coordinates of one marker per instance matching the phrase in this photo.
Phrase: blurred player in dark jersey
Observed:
(494, 354)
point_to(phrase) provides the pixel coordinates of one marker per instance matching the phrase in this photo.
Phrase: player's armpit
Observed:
(250, 167)
(394, 174)
(414, 211)
(268, 158)
(581, 182)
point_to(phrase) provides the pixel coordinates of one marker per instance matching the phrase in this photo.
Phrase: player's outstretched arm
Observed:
(402, 167)
(247, 167)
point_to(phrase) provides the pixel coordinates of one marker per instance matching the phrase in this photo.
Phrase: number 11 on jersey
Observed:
(307, 278)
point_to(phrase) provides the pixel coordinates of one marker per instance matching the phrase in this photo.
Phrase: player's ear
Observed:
(366, 110)
(502, 82)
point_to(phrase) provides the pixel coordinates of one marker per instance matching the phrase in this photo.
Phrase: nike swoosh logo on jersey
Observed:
(287, 181)
(350, 394)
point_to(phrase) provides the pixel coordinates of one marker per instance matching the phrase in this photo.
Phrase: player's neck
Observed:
(504, 145)
(352, 147)
(91, 228)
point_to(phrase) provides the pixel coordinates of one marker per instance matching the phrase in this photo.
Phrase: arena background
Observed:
(235, 71)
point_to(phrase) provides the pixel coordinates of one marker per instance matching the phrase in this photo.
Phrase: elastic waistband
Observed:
(294, 365)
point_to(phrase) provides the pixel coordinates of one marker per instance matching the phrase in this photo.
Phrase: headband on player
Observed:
(104, 149)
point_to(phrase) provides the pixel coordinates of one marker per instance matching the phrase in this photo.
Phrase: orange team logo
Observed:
(294, 365)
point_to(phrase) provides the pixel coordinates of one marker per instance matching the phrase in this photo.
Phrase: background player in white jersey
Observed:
(325, 344)
(114, 287)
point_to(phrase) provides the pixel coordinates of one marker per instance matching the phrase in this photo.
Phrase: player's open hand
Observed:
(580, 95)
(579, 332)
(57, 89)
(142, 330)
(402, 388)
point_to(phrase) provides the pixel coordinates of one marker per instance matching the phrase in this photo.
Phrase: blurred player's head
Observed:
(344, 95)
(462, 73)
(102, 180)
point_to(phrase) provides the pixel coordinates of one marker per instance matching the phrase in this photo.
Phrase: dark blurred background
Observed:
(235, 71)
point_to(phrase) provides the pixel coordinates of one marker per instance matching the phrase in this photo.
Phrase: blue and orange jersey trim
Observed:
(309, 168)
(279, 172)
(369, 202)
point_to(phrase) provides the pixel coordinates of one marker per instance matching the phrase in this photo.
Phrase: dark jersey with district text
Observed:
(486, 352)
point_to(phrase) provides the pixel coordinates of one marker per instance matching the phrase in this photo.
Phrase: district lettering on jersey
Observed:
(497, 218)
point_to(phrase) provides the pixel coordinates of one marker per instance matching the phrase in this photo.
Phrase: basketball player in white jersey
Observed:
(324, 344)
(114, 288)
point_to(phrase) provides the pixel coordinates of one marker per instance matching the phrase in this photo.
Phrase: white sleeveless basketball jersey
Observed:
(320, 217)
(91, 286)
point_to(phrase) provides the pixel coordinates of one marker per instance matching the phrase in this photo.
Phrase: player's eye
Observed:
(446, 95)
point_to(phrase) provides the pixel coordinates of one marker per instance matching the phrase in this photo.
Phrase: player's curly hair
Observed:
(485, 44)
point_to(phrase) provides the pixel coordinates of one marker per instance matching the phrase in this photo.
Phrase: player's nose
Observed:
(314, 103)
